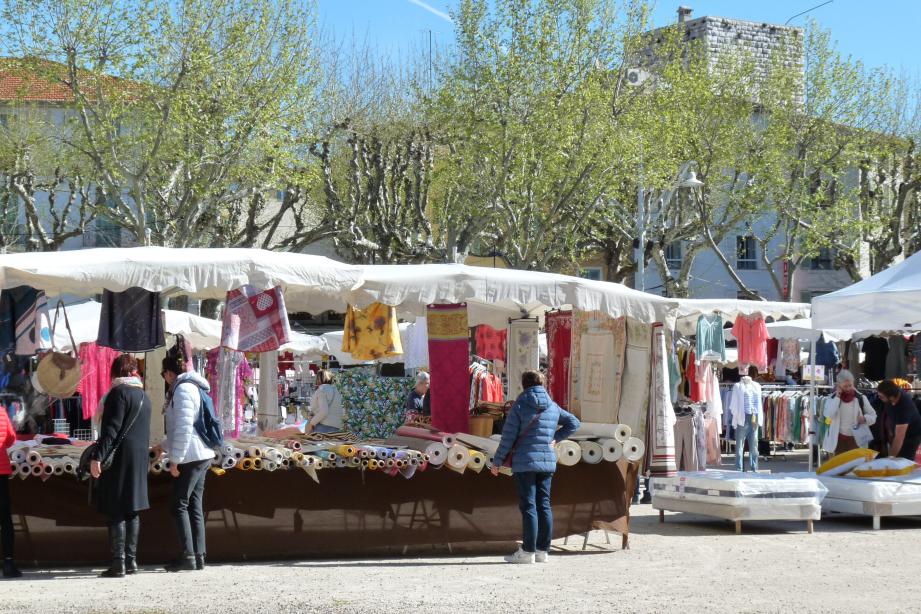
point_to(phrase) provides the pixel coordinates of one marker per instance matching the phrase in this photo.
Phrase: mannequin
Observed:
(745, 406)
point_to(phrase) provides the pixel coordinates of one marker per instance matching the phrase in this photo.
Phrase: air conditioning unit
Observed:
(636, 76)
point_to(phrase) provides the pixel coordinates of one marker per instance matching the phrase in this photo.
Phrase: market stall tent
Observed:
(889, 300)
(689, 310)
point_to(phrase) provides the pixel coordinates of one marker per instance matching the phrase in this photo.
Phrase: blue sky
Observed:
(880, 32)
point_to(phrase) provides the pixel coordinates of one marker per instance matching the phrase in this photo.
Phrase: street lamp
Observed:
(691, 181)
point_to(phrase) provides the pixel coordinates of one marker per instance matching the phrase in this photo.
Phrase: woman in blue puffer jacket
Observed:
(534, 424)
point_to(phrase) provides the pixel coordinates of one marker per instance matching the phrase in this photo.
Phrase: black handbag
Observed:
(83, 466)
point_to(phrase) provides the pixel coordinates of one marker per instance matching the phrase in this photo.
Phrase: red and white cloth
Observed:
(255, 320)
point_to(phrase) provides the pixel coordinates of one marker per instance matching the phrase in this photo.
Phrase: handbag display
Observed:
(59, 373)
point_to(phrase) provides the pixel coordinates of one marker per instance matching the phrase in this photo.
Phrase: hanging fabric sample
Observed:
(131, 321)
(582, 322)
(789, 354)
(634, 396)
(752, 336)
(559, 350)
(228, 372)
(523, 352)
(596, 381)
(711, 344)
(449, 358)
(660, 438)
(876, 351)
(416, 355)
(95, 375)
(896, 359)
(490, 343)
(255, 320)
(375, 407)
(24, 324)
(826, 354)
(371, 333)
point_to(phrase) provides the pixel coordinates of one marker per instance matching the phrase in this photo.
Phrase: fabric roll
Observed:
(568, 453)
(662, 419)
(33, 457)
(449, 355)
(19, 455)
(346, 451)
(156, 468)
(604, 431)
(457, 456)
(523, 352)
(70, 465)
(131, 321)
(634, 400)
(437, 453)
(559, 353)
(416, 356)
(612, 450)
(623, 433)
(596, 380)
(592, 453)
(420, 433)
(229, 462)
(476, 460)
(634, 450)
(408, 471)
(487, 445)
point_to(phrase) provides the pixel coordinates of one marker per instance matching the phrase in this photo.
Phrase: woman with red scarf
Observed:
(845, 411)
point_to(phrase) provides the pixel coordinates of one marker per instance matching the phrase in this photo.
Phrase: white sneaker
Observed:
(520, 557)
(541, 557)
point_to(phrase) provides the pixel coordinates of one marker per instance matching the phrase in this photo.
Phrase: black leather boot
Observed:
(184, 563)
(132, 530)
(9, 569)
(117, 547)
(199, 561)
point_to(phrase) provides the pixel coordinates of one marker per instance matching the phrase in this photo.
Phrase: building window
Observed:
(824, 260)
(592, 272)
(674, 255)
(746, 254)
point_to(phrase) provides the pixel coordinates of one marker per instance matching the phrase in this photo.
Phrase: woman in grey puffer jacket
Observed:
(190, 458)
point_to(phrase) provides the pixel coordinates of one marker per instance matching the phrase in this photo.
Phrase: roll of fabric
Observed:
(346, 451)
(623, 433)
(437, 453)
(481, 443)
(258, 464)
(70, 466)
(294, 445)
(254, 451)
(25, 470)
(476, 460)
(269, 465)
(457, 458)
(592, 453)
(568, 453)
(634, 450)
(421, 433)
(354, 461)
(166, 464)
(19, 455)
(37, 470)
(611, 450)
(229, 462)
(372, 464)
(408, 471)
(33, 457)
(271, 454)
(14, 470)
(246, 464)
(601, 431)
(153, 454)
(58, 467)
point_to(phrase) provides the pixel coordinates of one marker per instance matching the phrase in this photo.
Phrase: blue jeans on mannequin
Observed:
(536, 515)
(747, 432)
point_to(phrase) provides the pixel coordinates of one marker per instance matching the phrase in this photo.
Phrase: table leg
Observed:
(876, 523)
(661, 515)
(738, 527)
(809, 527)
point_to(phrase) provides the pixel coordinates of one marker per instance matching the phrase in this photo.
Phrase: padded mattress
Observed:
(732, 488)
(898, 489)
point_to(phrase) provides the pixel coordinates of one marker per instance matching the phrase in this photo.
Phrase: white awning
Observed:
(690, 310)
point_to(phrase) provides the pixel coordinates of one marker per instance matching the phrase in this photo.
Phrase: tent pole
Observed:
(813, 430)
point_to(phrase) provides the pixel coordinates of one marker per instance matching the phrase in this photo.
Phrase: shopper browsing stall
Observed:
(328, 412)
(904, 422)
(847, 413)
(533, 426)
(7, 438)
(418, 399)
(189, 455)
(124, 440)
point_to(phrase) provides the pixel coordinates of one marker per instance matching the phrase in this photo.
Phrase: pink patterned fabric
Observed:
(559, 349)
(255, 321)
(491, 343)
(96, 364)
(449, 358)
(228, 391)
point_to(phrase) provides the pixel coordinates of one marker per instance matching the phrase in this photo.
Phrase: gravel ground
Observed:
(690, 562)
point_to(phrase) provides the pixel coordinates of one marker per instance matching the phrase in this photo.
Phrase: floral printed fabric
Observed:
(374, 406)
(255, 321)
(371, 333)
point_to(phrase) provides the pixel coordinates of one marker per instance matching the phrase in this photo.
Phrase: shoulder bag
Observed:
(58, 373)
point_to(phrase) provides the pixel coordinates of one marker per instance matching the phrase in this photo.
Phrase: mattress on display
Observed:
(896, 489)
(733, 488)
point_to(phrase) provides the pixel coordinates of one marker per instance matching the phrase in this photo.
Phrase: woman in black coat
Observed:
(121, 491)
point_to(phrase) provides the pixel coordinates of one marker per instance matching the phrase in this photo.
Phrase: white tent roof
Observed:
(310, 282)
(495, 295)
(689, 310)
(802, 329)
(890, 301)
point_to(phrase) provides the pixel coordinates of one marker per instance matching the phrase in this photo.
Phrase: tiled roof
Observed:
(34, 81)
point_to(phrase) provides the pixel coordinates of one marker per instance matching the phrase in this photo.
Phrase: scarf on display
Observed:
(661, 422)
(95, 363)
(559, 350)
(449, 356)
(523, 352)
(255, 320)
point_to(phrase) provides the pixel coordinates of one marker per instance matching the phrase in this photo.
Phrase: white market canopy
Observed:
(317, 284)
(802, 329)
(888, 301)
(202, 333)
(689, 311)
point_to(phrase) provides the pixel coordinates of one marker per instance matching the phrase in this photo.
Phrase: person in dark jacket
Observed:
(121, 490)
(7, 438)
(533, 426)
